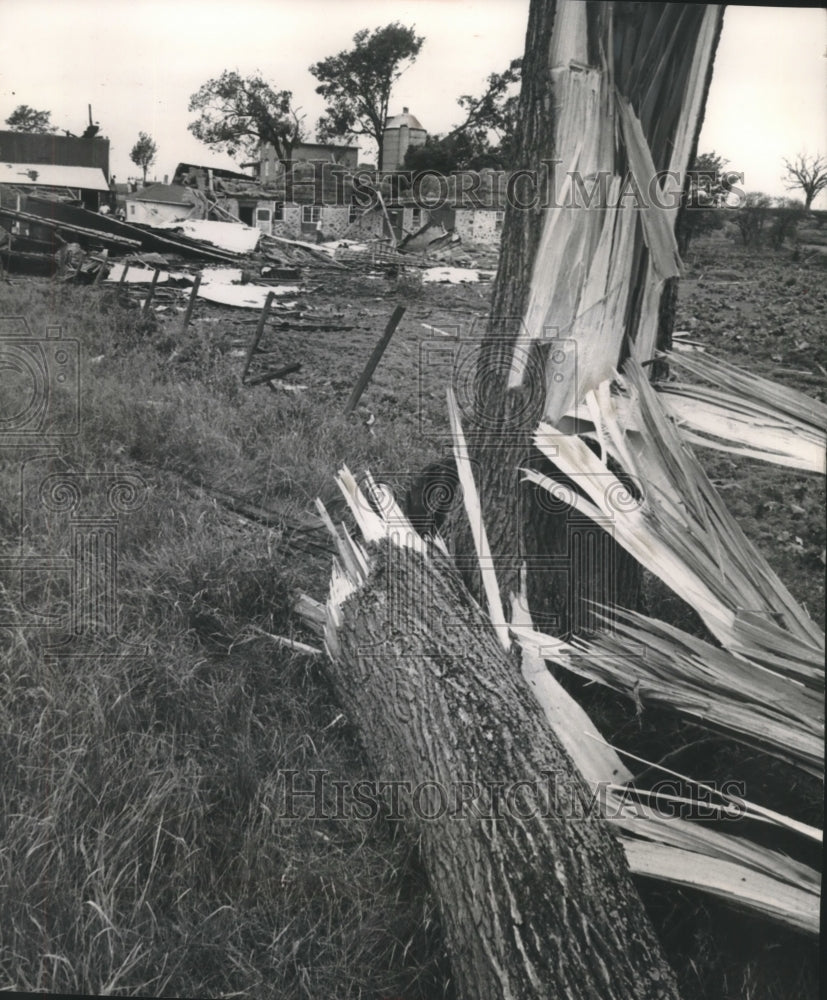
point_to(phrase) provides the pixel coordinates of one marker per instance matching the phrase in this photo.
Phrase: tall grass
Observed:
(143, 848)
(142, 844)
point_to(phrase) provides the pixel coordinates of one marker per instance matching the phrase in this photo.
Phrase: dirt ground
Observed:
(352, 308)
(766, 313)
(763, 311)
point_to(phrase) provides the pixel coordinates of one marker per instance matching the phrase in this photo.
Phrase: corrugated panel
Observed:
(167, 194)
(50, 175)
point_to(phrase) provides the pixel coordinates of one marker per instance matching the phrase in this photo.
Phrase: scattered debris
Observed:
(682, 341)
(132, 274)
(456, 275)
(319, 253)
(275, 373)
(243, 296)
(373, 255)
(93, 238)
(235, 237)
(96, 230)
(293, 644)
(436, 329)
(432, 236)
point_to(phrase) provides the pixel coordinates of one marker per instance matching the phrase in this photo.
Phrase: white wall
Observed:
(152, 212)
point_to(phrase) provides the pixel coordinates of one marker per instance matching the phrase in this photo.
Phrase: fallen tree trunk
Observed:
(534, 891)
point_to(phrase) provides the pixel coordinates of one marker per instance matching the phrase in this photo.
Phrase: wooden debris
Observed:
(102, 268)
(257, 335)
(193, 296)
(305, 534)
(433, 693)
(151, 292)
(374, 359)
(293, 644)
(377, 254)
(123, 278)
(307, 249)
(275, 373)
(104, 230)
(95, 236)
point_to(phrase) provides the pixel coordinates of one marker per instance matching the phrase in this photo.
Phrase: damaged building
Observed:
(165, 203)
(63, 166)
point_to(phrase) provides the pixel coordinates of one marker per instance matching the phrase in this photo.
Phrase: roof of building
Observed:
(336, 146)
(168, 194)
(324, 145)
(184, 168)
(49, 175)
(406, 118)
(58, 150)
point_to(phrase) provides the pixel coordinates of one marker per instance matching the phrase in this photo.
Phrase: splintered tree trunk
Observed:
(612, 95)
(533, 890)
(535, 893)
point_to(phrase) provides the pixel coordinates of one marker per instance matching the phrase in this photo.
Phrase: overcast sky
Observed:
(138, 62)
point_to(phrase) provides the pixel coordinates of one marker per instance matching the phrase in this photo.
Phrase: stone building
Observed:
(401, 131)
(268, 167)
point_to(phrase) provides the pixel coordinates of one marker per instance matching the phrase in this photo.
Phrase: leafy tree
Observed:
(788, 213)
(241, 113)
(357, 83)
(446, 154)
(806, 174)
(494, 111)
(706, 193)
(144, 152)
(468, 146)
(708, 182)
(751, 216)
(26, 119)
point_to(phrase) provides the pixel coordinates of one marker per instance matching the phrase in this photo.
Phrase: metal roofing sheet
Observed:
(53, 175)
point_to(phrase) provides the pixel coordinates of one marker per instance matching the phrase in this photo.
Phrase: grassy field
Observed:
(143, 847)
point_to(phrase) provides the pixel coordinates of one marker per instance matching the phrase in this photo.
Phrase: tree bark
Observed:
(534, 891)
(626, 46)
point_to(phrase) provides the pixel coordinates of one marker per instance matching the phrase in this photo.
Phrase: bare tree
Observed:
(806, 174)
